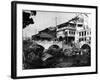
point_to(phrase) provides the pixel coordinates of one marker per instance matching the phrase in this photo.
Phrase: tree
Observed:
(26, 18)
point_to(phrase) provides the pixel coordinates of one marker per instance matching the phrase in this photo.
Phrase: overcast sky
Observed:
(46, 19)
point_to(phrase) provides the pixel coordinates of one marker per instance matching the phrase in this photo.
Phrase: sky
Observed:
(44, 19)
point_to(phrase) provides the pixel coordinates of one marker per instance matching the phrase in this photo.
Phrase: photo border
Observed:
(14, 38)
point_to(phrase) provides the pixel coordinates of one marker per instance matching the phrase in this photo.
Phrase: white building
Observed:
(76, 30)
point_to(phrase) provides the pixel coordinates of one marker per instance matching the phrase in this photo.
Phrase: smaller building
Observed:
(67, 31)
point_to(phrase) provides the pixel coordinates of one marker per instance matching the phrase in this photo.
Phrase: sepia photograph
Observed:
(53, 39)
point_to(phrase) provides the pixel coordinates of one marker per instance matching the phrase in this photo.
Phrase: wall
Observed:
(5, 40)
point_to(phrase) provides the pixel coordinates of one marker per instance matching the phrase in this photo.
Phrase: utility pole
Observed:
(56, 25)
(56, 21)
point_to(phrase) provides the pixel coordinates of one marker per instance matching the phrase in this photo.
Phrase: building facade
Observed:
(76, 30)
